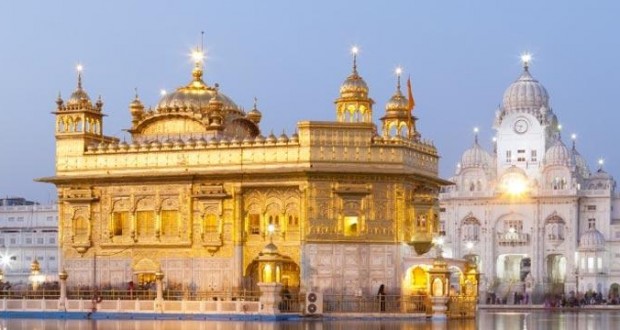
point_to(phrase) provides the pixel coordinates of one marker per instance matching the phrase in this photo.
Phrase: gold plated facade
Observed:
(196, 189)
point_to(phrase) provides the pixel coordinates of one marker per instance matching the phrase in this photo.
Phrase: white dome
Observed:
(592, 239)
(475, 157)
(526, 93)
(558, 155)
(580, 163)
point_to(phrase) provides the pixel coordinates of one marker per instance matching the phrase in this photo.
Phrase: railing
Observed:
(374, 304)
(461, 307)
(141, 294)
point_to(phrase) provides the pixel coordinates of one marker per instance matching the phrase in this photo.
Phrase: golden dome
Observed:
(195, 95)
(79, 96)
(354, 86)
(397, 102)
(254, 115)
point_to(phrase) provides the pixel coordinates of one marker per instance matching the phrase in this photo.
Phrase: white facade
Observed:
(28, 231)
(530, 211)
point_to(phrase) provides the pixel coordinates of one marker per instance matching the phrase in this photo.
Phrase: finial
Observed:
(526, 58)
(355, 50)
(79, 69)
(135, 89)
(601, 161)
(476, 130)
(255, 103)
(59, 100)
(574, 138)
(398, 71)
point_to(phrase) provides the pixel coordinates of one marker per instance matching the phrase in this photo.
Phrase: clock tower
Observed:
(525, 125)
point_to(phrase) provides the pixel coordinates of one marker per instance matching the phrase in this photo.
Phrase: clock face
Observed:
(520, 126)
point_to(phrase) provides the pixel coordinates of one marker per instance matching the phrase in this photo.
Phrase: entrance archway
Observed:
(513, 267)
(288, 275)
(556, 272)
(418, 279)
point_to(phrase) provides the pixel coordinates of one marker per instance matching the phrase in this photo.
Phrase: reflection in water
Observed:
(595, 320)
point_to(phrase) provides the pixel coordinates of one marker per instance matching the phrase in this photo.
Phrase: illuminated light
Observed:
(163, 92)
(559, 127)
(516, 186)
(6, 259)
(512, 230)
(79, 68)
(601, 161)
(469, 245)
(476, 130)
(398, 71)
(271, 228)
(439, 241)
(355, 50)
(573, 136)
(494, 139)
(198, 56)
(526, 58)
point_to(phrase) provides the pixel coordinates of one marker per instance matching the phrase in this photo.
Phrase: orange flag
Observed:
(410, 105)
(410, 95)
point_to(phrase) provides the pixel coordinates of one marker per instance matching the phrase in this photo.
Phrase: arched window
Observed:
(210, 224)
(170, 223)
(80, 227)
(120, 223)
(145, 221)
(470, 229)
(555, 228)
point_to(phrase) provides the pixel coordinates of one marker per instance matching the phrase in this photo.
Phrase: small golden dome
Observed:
(354, 86)
(79, 96)
(254, 115)
(397, 102)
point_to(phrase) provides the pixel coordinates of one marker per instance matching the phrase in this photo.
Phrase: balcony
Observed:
(513, 239)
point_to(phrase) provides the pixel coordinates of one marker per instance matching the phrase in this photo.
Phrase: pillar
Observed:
(269, 298)
(62, 300)
(159, 300)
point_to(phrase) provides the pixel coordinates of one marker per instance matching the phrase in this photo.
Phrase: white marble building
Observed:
(28, 231)
(531, 211)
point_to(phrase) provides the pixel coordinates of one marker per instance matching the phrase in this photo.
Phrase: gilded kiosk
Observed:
(201, 195)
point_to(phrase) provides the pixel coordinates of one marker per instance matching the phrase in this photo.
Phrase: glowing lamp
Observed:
(198, 56)
(271, 228)
(516, 186)
(573, 136)
(601, 161)
(476, 130)
(399, 71)
(469, 245)
(355, 50)
(79, 68)
(163, 92)
(526, 58)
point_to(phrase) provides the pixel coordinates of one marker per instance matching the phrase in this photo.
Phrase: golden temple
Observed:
(201, 195)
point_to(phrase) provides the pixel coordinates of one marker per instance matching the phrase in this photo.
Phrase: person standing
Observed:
(381, 297)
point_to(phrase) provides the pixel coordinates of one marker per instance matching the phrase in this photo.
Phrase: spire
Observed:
(79, 69)
(398, 71)
(476, 130)
(526, 58)
(255, 103)
(574, 138)
(354, 51)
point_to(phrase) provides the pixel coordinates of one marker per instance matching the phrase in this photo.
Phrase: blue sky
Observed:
(293, 56)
